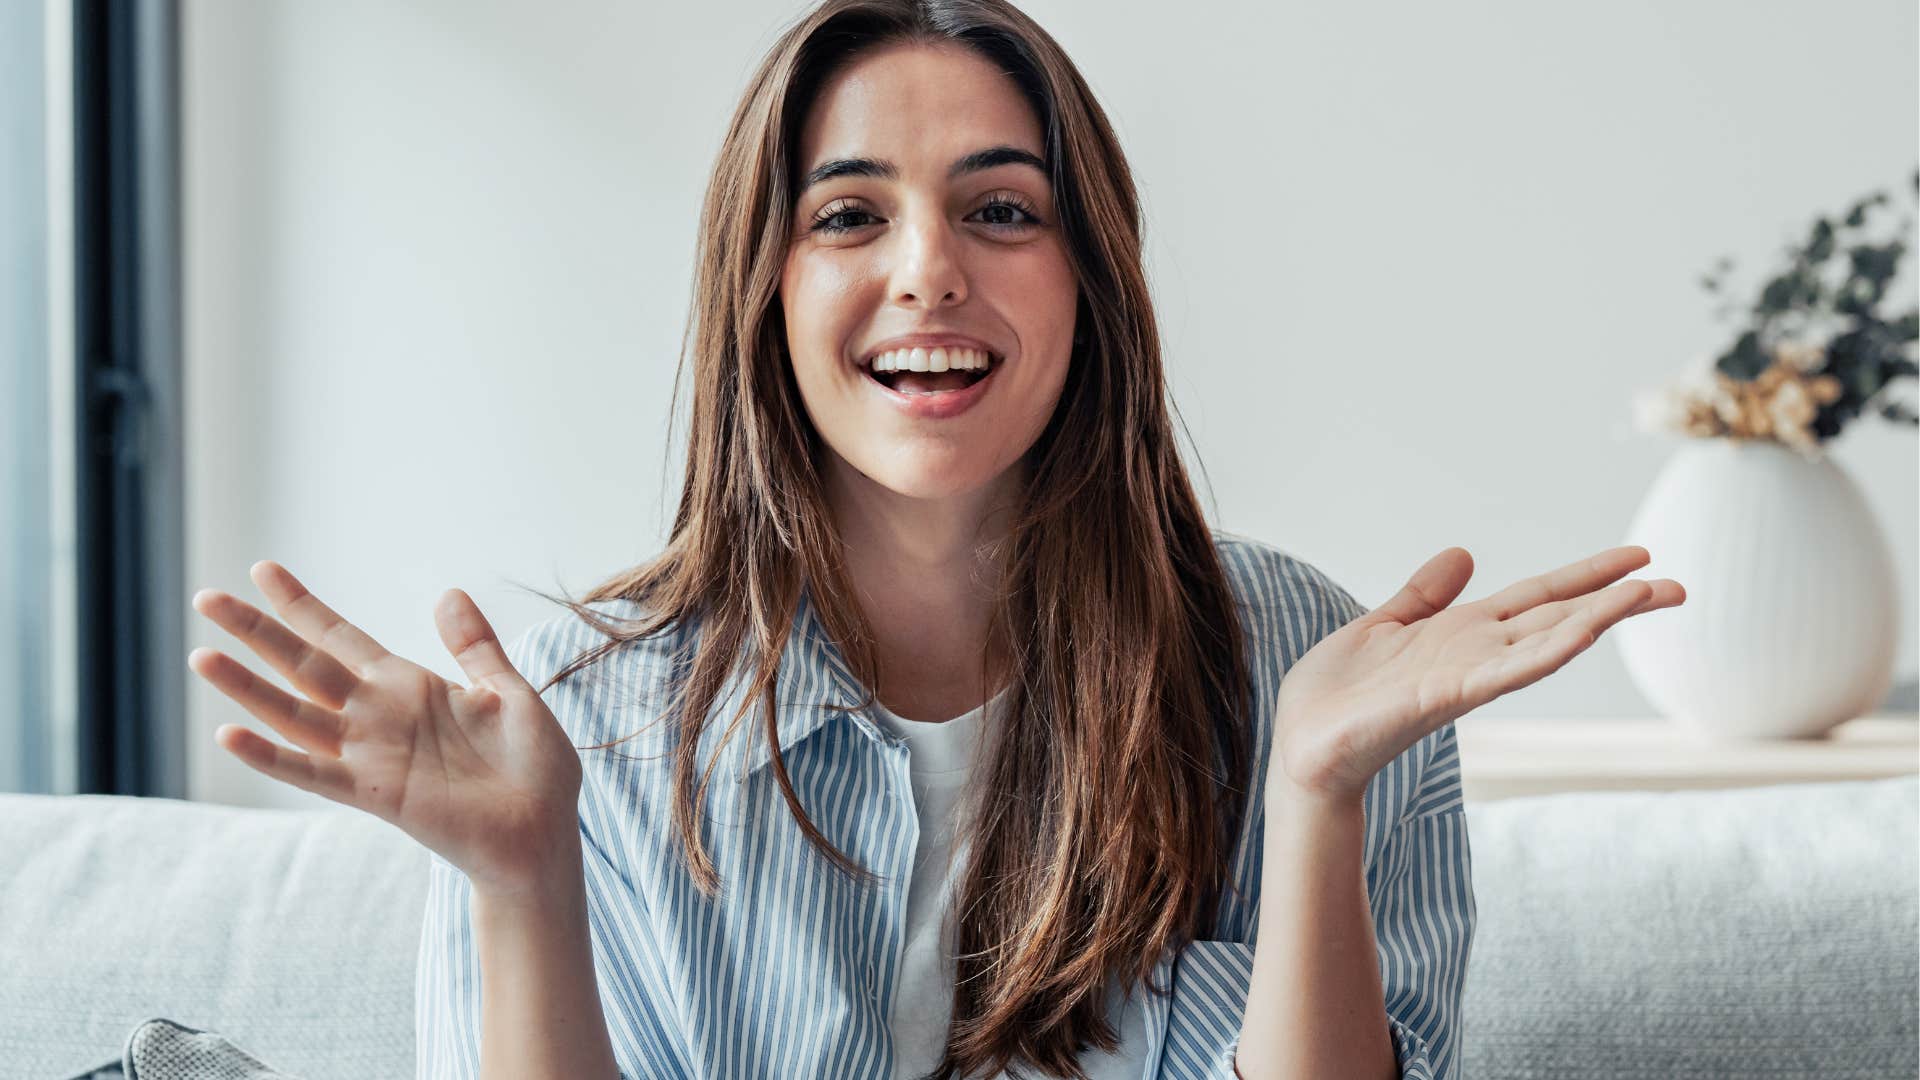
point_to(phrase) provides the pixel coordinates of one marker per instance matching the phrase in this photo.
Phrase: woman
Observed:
(1016, 739)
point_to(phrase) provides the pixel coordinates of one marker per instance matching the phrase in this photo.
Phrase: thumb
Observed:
(470, 638)
(1432, 588)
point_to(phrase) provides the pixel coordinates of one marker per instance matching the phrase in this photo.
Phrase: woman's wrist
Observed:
(551, 876)
(1282, 792)
(541, 1012)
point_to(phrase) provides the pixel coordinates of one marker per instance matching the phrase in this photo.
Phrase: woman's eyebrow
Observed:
(887, 170)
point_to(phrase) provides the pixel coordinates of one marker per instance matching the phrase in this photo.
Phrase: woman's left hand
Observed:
(1367, 692)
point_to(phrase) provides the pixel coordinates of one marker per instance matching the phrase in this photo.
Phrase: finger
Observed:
(1574, 579)
(302, 722)
(312, 670)
(1602, 610)
(470, 638)
(1579, 631)
(1431, 589)
(1529, 661)
(314, 620)
(1665, 592)
(330, 779)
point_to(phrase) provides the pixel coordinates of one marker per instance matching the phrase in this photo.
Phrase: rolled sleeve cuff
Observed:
(1209, 1003)
(1411, 1051)
(1408, 1049)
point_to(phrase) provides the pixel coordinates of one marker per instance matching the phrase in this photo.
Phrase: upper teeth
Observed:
(936, 359)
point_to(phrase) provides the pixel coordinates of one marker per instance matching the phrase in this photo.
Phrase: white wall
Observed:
(1412, 262)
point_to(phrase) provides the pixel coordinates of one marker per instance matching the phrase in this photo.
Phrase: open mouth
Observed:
(915, 383)
(926, 382)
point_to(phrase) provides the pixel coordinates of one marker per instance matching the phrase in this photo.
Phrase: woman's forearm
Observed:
(540, 1014)
(1314, 1005)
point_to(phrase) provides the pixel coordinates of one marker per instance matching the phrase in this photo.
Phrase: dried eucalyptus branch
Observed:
(1813, 350)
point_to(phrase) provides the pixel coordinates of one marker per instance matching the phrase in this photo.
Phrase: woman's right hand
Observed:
(484, 775)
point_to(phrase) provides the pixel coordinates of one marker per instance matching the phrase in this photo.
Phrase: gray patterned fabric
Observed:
(1757, 932)
(1765, 932)
(290, 932)
(160, 1049)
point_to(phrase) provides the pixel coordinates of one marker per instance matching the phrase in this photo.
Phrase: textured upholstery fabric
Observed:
(1749, 932)
(291, 932)
(1758, 932)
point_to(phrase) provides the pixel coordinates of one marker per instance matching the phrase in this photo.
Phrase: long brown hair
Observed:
(1111, 795)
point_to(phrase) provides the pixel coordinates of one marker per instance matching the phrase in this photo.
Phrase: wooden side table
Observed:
(1501, 756)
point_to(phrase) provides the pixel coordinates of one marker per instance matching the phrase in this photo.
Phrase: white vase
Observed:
(1789, 623)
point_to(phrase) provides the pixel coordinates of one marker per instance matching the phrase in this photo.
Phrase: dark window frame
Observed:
(129, 536)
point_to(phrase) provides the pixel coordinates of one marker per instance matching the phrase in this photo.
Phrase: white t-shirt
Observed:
(943, 756)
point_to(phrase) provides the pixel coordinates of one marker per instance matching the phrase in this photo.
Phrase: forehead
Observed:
(919, 105)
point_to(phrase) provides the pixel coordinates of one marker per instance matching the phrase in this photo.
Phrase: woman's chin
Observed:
(926, 476)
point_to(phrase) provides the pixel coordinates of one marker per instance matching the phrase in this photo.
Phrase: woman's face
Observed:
(916, 239)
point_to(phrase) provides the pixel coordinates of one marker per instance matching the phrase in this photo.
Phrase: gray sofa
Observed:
(1761, 932)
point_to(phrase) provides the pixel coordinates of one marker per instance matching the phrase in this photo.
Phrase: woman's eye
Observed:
(831, 220)
(1017, 206)
(825, 222)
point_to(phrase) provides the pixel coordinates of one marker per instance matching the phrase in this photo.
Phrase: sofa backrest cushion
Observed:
(292, 932)
(1769, 931)
(1761, 931)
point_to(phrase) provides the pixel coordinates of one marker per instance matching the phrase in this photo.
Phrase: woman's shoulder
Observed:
(637, 669)
(1280, 592)
(549, 644)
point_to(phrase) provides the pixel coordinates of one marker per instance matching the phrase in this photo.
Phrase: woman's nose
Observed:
(928, 268)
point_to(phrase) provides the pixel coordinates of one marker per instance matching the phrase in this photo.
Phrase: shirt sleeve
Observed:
(447, 980)
(1204, 1010)
(1420, 892)
(1419, 876)
(447, 1019)
(446, 986)
(1420, 888)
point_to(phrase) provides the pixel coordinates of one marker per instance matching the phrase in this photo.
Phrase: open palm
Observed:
(1369, 691)
(483, 775)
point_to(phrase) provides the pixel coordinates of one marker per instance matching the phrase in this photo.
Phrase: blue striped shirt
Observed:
(791, 971)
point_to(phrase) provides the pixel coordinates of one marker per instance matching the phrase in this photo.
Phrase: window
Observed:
(92, 680)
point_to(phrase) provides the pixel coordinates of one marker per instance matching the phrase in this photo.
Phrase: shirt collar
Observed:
(813, 686)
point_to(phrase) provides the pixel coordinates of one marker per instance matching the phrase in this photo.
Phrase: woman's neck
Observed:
(924, 575)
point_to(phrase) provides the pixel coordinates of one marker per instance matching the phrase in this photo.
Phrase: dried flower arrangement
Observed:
(1811, 354)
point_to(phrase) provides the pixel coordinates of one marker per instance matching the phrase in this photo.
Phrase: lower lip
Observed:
(940, 406)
